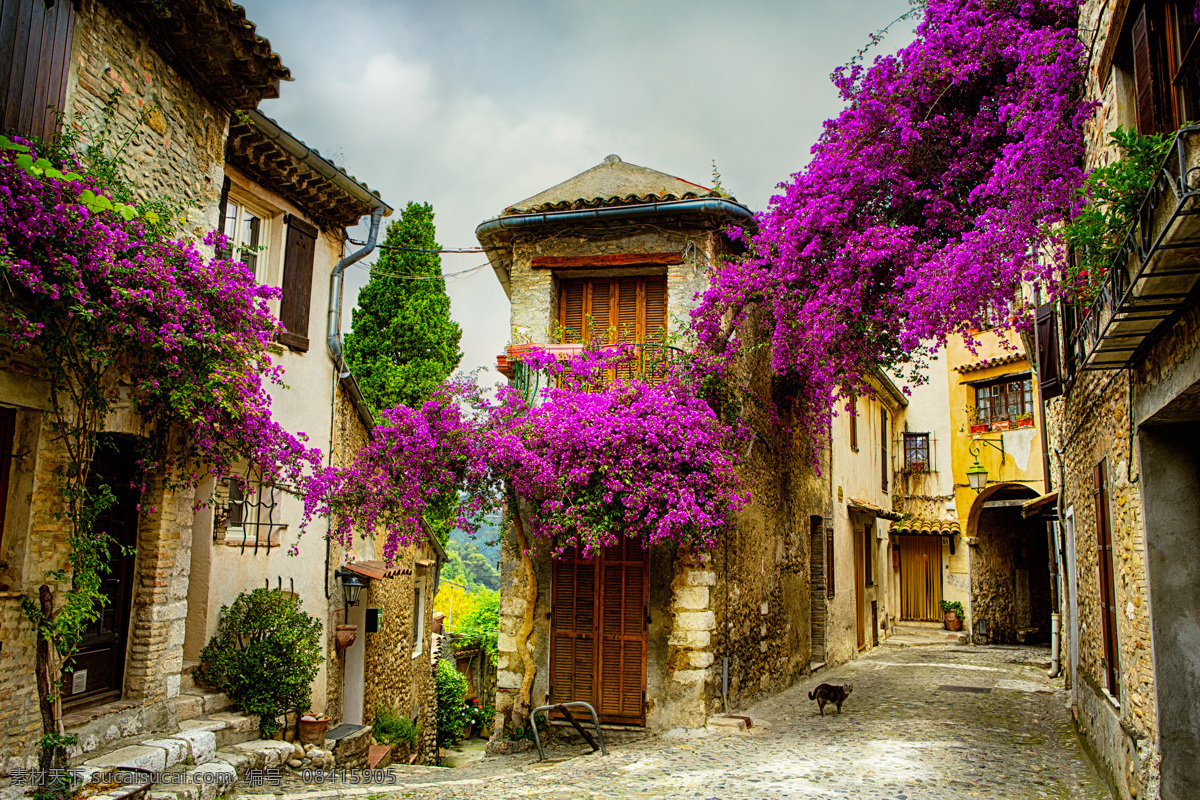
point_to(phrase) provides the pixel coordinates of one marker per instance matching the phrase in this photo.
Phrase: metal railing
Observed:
(650, 363)
(1126, 309)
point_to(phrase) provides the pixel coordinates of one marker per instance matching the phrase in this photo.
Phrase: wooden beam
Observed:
(602, 261)
(1005, 503)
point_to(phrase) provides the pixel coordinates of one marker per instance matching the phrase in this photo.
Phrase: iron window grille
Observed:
(917, 455)
(252, 514)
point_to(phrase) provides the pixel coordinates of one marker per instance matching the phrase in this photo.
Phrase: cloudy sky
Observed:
(472, 105)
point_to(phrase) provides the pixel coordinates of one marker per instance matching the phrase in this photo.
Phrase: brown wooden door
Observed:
(920, 578)
(98, 670)
(860, 586)
(600, 658)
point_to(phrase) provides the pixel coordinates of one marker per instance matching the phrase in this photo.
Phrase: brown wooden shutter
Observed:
(1068, 346)
(1104, 558)
(623, 592)
(656, 309)
(628, 320)
(8, 427)
(571, 310)
(35, 55)
(829, 562)
(853, 422)
(600, 311)
(1143, 78)
(1049, 379)
(573, 630)
(297, 283)
(883, 445)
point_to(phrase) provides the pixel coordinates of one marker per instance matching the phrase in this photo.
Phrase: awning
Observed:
(375, 570)
(1045, 505)
(869, 508)
(927, 527)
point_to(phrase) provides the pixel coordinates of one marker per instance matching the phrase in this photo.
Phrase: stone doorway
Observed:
(1010, 574)
(96, 674)
(920, 578)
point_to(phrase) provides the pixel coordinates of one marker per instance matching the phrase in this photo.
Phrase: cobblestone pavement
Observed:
(916, 727)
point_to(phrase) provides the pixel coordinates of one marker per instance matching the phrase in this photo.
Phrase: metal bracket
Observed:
(562, 707)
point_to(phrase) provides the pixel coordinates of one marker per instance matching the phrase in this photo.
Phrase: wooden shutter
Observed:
(573, 629)
(35, 55)
(8, 427)
(571, 309)
(297, 283)
(656, 309)
(1049, 378)
(853, 422)
(599, 320)
(829, 562)
(1143, 78)
(1068, 318)
(623, 591)
(883, 448)
(1104, 558)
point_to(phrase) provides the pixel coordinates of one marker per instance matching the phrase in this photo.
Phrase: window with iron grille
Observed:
(1005, 399)
(916, 453)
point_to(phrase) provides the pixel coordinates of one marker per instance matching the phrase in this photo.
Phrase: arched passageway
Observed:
(1010, 569)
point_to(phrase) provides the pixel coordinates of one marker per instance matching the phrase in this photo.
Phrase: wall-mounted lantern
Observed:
(352, 586)
(977, 473)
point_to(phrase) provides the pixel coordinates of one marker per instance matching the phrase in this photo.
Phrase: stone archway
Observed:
(1010, 576)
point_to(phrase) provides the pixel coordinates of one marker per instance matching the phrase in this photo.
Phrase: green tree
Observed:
(403, 343)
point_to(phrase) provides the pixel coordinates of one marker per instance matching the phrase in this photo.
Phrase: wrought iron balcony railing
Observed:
(649, 363)
(1157, 269)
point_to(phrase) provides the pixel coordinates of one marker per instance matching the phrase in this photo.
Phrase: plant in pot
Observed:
(977, 423)
(396, 731)
(1025, 420)
(952, 615)
(265, 655)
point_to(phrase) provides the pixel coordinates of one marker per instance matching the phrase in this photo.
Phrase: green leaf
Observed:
(8, 144)
(24, 161)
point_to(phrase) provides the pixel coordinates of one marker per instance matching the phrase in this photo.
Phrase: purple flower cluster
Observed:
(926, 203)
(90, 290)
(593, 461)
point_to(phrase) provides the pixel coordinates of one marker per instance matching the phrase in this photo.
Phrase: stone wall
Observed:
(177, 152)
(1010, 587)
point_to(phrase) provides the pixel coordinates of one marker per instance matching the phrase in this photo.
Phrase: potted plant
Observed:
(978, 425)
(1025, 420)
(953, 615)
(1001, 424)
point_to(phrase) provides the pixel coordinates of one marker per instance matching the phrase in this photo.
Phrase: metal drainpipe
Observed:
(333, 338)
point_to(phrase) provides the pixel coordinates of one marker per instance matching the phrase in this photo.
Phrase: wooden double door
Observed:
(598, 623)
(920, 578)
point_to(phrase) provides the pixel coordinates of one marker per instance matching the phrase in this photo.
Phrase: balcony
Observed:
(650, 363)
(1157, 269)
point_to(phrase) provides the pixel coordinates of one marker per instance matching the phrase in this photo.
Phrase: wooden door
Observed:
(98, 670)
(600, 658)
(860, 586)
(920, 578)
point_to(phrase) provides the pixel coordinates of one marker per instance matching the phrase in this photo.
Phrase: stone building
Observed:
(74, 57)
(852, 608)
(1123, 432)
(630, 247)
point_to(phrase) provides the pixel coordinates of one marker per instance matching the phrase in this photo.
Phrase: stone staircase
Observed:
(213, 751)
(922, 634)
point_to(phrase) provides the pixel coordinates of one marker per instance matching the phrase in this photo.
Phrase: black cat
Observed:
(828, 693)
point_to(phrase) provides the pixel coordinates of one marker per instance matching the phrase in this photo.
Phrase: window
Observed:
(829, 559)
(252, 515)
(1005, 399)
(247, 232)
(854, 423)
(916, 453)
(603, 310)
(869, 555)
(1108, 603)
(418, 623)
(1156, 49)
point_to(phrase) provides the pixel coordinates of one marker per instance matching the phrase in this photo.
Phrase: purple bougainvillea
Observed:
(926, 203)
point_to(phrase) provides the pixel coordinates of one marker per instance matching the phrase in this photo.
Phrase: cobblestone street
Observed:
(922, 723)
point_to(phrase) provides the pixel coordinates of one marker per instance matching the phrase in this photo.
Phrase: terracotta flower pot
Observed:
(1025, 423)
(344, 636)
(312, 729)
(1001, 424)
(953, 623)
(979, 428)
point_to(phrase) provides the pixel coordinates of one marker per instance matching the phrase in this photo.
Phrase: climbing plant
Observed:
(118, 314)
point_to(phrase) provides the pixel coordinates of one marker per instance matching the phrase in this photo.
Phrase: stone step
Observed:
(187, 678)
(207, 701)
(230, 728)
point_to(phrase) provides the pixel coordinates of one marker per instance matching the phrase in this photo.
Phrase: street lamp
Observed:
(977, 473)
(352, 584)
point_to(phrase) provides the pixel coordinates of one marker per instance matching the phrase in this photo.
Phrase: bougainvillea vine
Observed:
(926, 203)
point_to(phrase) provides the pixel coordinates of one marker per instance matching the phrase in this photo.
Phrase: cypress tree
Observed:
(403, 343)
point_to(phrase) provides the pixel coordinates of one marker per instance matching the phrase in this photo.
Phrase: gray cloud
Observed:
(473, 105)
